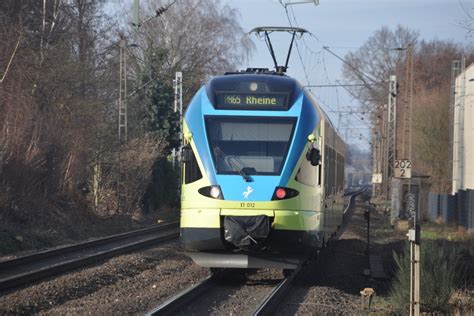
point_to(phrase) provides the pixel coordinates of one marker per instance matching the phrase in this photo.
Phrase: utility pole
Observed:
(457, 101)
(382, 150)
(454, 124)
(136, 14)
(414, 233)
(122, 179)
(377, 162)
(407, 115)
(390, 135)
(178, 106)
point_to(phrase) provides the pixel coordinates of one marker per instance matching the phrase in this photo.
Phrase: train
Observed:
(262, 173)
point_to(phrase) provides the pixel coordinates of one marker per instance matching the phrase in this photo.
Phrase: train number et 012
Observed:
(247, 204)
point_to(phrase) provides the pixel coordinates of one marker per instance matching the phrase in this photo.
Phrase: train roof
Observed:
(256, 71)
(262, 80)
(270, 81)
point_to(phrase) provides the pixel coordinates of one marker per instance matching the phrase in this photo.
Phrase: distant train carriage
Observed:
(263, 173)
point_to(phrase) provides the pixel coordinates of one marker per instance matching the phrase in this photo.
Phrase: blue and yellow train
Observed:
(263, 173)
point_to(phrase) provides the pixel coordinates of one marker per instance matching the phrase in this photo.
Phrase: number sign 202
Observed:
(402, 168)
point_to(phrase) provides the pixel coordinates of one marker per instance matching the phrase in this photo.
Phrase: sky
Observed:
(344, 25)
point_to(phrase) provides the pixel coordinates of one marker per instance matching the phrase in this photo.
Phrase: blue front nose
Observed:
(236, 188)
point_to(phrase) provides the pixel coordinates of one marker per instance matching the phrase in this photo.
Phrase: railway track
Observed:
(24, 270)
(197, 293)
(212, 283)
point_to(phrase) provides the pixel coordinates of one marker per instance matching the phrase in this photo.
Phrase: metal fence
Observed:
(455, 209)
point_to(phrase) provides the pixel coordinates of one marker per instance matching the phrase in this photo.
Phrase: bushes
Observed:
(164, 187)
(440, 269)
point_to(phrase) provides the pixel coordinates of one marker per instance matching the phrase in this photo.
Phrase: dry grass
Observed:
(447, 271)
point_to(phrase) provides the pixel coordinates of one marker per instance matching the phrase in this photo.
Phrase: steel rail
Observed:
(178, 301)
(16, 279)
(271, 301)
(83, 245)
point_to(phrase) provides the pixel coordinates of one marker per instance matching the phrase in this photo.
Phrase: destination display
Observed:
(251, 101)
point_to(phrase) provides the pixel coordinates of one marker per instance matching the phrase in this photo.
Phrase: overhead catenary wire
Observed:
(338, 85)
(325, 71)
(356, 114)
(351, 66)
(316, 60)
(297, 46)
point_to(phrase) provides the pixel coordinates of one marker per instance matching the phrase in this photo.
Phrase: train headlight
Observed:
(282, 193)
(253, 86)
(213, 191)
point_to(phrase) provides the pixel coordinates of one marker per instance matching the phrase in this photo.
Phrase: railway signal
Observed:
(376, 178)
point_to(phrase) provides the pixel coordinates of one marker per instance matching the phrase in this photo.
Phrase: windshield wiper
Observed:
(237, 166)
(246, 177)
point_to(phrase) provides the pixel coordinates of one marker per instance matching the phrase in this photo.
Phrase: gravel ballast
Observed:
(139, 282)
(126, 284)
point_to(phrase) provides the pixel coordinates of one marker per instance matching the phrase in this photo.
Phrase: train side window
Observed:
(326, 164)
(191, 168)
(307, 174)
(334, 171)
(340, 172)
(320, 171)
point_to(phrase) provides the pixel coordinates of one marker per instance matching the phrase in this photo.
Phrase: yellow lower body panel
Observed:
(282, 219)
(296, 220)
(200, 218)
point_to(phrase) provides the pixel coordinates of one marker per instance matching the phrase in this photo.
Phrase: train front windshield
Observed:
(249, 145)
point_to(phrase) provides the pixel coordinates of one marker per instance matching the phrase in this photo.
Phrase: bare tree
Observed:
(51, 100)
(58, 127)
(385, 54)
(379, 57)
(199, 37)
(468, 22)
(431, 137)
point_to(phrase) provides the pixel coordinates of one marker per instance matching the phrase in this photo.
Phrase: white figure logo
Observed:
(247, 193)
